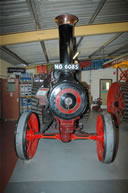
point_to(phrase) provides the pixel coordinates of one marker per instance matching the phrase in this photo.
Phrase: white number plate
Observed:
(66, 66)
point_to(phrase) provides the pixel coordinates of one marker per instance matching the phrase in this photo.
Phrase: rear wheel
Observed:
(27, 127)
(108, 138)
(117, 102)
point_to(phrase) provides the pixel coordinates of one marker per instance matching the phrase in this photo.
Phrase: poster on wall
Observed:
(93, 64)
(43, 69)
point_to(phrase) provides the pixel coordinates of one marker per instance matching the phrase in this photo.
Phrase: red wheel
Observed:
(107, 138)
(26, 144)
(100, 132)
(117, 101)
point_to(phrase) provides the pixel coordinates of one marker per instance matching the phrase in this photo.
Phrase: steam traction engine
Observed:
(67, 102)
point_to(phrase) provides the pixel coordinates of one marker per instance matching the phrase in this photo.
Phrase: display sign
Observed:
(43, 69)
(42, 92)
(93, 64)
(16, 70)
(84, 64)
(10, 87)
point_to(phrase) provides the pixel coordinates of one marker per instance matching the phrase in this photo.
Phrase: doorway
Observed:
(104, 88)
(10, 99)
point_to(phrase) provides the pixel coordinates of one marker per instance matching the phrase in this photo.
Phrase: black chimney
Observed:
(66, 37)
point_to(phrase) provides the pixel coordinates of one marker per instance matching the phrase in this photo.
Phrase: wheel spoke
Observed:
(32, 124)
(29, 124)
(28, 146)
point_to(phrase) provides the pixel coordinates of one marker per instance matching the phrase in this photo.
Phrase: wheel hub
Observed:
(116, 104)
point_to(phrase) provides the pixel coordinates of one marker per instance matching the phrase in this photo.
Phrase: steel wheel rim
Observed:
(30, 143)
(100, 134)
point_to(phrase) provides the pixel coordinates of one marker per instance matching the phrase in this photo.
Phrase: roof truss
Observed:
(50, 34)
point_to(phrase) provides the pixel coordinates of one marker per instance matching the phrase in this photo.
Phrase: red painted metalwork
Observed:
(68, 111)
(57, 136)
(100, 134)
(66, 128)
(124, 75)
(31, 130)
(116, 102)
(66, 133)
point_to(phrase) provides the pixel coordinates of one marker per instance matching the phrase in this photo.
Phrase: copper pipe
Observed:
(66, 19)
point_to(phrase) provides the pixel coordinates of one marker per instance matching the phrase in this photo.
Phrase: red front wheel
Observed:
(25, 142)
(107, 142)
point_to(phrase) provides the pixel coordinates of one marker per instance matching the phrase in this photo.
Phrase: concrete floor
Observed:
(72, 167)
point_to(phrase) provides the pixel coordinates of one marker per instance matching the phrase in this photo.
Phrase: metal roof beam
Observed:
(12, 54)
(96, 12)
(44, 51)
(32, 8)
(95, 29)
(126, 45)
(105, 44)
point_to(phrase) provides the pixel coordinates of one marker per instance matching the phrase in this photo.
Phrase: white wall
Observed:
(32, 70)
(3, 68)
(93, 78)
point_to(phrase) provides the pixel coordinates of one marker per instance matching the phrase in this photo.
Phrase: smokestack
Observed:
(66, 25)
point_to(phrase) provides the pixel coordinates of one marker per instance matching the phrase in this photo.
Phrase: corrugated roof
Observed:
(116, 47)
(113, 11)
(91, 43)
(16, 16)
(8, 58)
(48, 10)
(53, 54)
(30, 52)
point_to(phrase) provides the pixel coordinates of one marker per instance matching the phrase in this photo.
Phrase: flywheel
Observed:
(117, 101)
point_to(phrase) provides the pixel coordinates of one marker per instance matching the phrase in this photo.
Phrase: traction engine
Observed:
(67, 101)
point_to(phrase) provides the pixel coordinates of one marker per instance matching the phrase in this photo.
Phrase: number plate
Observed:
(66, 66)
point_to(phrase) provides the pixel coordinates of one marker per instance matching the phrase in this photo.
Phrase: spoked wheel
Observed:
(124, 75)
(117, 101)
(108, 138)
(27, 127)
